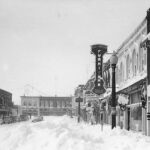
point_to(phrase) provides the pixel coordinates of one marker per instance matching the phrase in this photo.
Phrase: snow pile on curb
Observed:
(64, 133)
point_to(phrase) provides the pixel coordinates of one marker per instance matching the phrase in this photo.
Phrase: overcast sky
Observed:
(46, 43)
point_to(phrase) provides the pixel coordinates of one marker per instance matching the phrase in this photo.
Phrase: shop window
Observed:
(136, 118)
(135, 97)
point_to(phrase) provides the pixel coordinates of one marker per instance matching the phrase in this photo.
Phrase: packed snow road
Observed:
(64, 133)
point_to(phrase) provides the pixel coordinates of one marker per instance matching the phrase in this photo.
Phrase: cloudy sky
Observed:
(46, 43)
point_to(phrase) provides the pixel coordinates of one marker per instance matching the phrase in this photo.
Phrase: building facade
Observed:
(38, 105)
(132, 78)
(131, 82)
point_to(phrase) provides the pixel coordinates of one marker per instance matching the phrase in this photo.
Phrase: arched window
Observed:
(108, 78)
(121, 72)
(128, 66)
(137, 62)
(134, 62)
(104, 76)
(141, 61)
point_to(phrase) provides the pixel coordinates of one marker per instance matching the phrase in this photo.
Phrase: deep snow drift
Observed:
(64, 133)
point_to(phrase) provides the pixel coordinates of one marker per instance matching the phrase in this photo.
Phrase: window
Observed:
(24, 103)
(127, 66)
(60, 104)
(141, 61)
(134, 63)
(121, 72)
(1, 100)
(108, 78)
(54, 103)
(137, 59)
(29, 103)
(104, 78)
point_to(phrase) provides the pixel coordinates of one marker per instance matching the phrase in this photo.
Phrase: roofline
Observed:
(6, 91)
(131, 35)
(48, 96)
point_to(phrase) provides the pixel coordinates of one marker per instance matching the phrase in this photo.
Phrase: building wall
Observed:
(131, 73)
(131, 57)
(131, 69)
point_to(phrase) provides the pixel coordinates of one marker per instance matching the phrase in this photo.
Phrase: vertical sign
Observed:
(98, 50)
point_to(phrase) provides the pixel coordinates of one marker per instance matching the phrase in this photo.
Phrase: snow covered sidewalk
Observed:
(64, 133)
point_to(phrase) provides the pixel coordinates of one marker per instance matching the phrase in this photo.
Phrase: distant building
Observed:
(16, 110)
(5, 103)
(38, 105)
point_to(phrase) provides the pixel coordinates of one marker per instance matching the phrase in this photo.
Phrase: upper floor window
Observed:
(121, 72)
(141, 60)
(134, 62)
(54, 103)
(105, 78)
(24, 103)
(127, 66)
(137, 60)
(108, 78)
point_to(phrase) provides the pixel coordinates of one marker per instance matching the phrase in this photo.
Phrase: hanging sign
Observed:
(98, 51)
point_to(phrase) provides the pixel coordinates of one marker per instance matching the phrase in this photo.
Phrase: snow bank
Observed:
(64, 133)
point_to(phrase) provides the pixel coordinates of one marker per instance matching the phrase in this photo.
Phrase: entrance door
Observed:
(128, 124)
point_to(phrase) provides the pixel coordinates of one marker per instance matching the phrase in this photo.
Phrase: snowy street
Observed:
(64, 133)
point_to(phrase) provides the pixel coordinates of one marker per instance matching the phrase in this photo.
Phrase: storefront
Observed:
(132, 116)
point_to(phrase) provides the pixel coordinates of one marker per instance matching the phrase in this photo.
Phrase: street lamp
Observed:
(113, 62)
